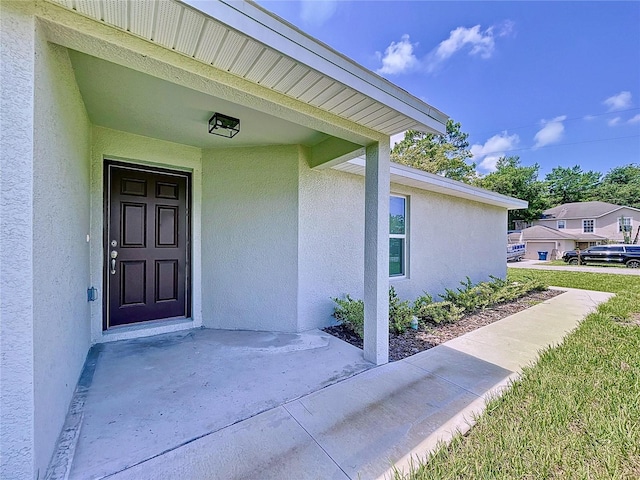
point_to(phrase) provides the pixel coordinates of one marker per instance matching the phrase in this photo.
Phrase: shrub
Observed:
(477, 297)
(350, 313)
(465, 299)
(400, 313)
(437, 313)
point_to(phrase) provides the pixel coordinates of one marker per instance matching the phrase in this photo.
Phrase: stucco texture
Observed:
(249, 235)
(61, 252)
(448, 239)
(17, 40)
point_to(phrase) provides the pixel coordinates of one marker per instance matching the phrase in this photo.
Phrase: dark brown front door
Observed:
(147, 239)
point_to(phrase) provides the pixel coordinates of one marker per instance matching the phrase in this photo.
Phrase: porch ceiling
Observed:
(124, 99)
(248, 42)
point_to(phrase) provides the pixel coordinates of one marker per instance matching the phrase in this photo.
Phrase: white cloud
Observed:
(477, 42)
(398, 57)
(618, 102)
(588, 118)
(551, 132)
(317, 12)
(482, 43)
(635, 119)
(614, 121)
(487, 155)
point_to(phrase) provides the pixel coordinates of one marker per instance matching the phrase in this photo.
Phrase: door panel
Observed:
(148, 234)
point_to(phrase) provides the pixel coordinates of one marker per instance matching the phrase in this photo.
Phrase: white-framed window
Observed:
(560, 224)
(625, 224)
(397, 236)
(588, 225)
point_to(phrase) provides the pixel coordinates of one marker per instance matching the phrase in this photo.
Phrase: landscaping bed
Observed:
(411, 341)
(574, 414)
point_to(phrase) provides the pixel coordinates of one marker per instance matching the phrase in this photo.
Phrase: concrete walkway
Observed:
(361, 426)
(541, 265)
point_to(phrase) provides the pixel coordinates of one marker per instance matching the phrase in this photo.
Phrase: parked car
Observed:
(628, 255)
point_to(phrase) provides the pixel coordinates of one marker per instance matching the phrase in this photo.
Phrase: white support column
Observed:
(376, 255)
(17, 29)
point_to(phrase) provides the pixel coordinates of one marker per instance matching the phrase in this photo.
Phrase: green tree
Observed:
(444, 155)
(511, 178)
(568, 185)
(621, 185)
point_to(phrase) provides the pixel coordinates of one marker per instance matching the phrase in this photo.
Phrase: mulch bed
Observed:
(414, 341)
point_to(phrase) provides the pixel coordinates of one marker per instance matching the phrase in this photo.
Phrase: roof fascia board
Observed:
(450, 187)
(251, 20)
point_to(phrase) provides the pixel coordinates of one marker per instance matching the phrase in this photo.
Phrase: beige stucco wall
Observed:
(249, 235)
(448, 239)
(61, 331)
(122, 146)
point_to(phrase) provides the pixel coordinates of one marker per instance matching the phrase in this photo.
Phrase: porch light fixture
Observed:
(224, 125)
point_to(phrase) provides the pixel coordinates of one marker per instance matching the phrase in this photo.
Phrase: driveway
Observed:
(541, 265)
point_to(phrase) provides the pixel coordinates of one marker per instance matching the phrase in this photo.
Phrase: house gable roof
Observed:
(247, 41)
(542, 232)
(578, 210)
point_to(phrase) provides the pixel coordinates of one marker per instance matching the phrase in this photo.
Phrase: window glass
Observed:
(561, 224)
(633, 249)
(624, 224)
(616, 249)
(396, 256)
(588, 226)
(397, 236)
(397, 215)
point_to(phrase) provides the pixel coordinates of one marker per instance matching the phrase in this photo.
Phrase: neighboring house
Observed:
(121, 216)
(544, 239)
(592, 223)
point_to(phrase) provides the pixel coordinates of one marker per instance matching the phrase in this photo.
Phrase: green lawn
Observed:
(562, 263)
(606, 282)
(575, 414)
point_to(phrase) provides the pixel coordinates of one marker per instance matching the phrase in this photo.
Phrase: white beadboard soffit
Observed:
(273, 54)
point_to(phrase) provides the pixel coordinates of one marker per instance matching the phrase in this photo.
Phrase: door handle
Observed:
(114, 255)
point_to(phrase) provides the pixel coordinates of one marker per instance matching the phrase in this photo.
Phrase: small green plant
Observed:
(350, 313)
(430, 312)
(477, 297)
(400, 313)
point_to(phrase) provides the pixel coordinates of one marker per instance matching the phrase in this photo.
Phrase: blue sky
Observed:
(556, 83)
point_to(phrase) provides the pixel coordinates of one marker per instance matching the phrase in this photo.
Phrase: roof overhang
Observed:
(242, 39)
(412, 177)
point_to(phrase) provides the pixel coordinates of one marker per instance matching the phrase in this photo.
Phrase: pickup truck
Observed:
(628, 255)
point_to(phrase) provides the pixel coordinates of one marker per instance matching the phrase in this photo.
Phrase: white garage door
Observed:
(534, 247)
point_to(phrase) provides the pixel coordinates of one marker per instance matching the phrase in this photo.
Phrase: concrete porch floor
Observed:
(210, 404)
